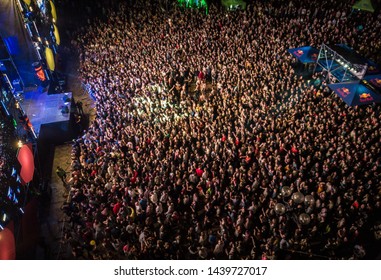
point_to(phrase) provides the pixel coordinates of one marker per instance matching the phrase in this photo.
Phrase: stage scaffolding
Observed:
(338, 67)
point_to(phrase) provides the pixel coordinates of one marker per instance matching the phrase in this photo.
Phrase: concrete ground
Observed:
(52, 218)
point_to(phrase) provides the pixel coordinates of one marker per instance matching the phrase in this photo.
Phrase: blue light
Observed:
(12, 44)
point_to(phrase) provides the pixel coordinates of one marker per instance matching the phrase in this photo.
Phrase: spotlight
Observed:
(4, 217)
(19, 144)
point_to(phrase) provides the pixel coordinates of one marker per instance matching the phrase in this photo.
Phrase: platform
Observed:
(42, 108)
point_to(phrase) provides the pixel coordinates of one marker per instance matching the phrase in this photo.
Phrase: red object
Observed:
(39, 71)
(116, 208)
(133, 179)
(236, 141)
(26, 160)
(40, 74)
(356, 204)
(223, 139)
(294, 150)
(201, 75)
(126, 248)
(199, 172)
(7, 245)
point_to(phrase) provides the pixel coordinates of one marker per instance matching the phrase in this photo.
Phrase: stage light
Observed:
(39, 39)
(4, 217)
(19, 144)
(17, 105)
(31, 8)
(22, 211)
(1, 227)
(47, 43)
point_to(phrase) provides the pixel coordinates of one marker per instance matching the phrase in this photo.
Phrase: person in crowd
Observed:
(61, 173)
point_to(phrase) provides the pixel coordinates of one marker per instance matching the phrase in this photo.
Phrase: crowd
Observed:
(203, 128)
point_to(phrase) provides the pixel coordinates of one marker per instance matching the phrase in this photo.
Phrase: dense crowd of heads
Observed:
(203, 127)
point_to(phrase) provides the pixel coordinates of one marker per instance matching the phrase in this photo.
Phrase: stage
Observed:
(43, 109)
(337, 71)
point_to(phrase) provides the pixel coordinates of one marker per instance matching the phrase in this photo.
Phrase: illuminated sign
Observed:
(344, 92)
(298, 53)
(366, 97)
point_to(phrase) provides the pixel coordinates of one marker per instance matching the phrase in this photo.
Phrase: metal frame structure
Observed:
(338, 68)
(32, 30)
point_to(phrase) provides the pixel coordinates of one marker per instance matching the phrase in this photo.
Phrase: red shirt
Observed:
(236, 141)
(201, 75)
(116, 208)
(199, 172)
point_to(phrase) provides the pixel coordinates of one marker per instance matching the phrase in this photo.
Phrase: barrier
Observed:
(87, 88)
